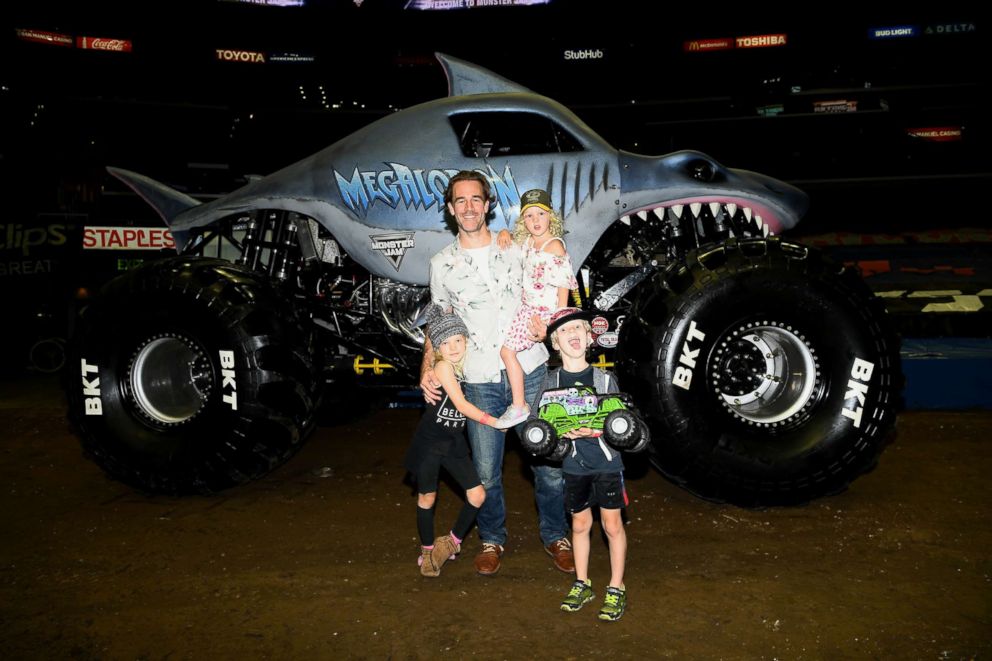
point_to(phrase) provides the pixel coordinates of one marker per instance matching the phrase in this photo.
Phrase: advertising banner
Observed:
(102, 43)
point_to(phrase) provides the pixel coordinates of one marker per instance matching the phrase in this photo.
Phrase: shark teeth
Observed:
(729, 211)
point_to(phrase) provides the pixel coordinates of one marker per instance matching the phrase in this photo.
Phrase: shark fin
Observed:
(467, 78)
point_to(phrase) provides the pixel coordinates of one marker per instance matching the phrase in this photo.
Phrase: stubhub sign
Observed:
(584, 54)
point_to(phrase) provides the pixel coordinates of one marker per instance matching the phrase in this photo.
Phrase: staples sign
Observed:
(127, 238)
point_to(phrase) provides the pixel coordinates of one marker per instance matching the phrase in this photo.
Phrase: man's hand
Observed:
(431, 387)
(583, 432)
(537, 329)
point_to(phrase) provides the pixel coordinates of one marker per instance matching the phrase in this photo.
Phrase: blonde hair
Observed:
(458, 368)
(555, 227)
(554, 336)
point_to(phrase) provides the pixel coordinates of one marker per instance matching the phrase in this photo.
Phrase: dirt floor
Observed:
(318, 560)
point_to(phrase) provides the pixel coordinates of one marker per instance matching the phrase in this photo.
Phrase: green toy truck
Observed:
(566, 409)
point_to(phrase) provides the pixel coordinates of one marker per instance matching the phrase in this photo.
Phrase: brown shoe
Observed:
(444, 549)
(561, 553)
(427, 568)
(487, 561)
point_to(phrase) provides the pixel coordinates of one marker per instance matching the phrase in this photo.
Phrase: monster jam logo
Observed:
(393, 245)
(414, 188)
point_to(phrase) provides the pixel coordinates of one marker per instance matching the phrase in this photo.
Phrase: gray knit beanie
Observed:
(441, 325)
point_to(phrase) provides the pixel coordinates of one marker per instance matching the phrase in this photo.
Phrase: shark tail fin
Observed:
(167, 202)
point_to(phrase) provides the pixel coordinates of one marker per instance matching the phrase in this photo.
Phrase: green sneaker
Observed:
(614, 604)
(580, 595)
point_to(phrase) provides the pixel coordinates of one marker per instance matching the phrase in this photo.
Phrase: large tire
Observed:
(770, 375)
(191, 375)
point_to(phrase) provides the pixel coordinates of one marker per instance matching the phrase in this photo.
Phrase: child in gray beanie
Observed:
(440, 441)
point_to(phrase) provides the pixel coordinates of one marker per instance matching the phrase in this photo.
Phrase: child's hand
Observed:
(504, 239)
(537, 328)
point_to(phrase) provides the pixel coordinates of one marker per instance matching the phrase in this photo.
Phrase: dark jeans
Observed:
(487, 454)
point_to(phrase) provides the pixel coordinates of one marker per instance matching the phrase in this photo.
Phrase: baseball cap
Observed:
(564, 315)
(535, 198)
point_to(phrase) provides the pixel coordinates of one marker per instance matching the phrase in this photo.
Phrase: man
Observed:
(482, 284)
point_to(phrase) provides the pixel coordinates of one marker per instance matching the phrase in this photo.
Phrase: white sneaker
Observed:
(512, 416)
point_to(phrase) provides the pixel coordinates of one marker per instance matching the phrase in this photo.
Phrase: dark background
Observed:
(170, 103)
(171, 110)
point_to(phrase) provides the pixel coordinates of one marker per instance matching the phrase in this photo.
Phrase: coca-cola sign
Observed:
(101, 43)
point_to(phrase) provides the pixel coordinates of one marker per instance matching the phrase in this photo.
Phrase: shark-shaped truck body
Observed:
(765, 374)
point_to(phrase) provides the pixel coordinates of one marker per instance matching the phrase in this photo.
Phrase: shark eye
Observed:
(701, 170)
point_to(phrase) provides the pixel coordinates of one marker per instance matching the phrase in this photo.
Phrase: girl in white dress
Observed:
(547, 279)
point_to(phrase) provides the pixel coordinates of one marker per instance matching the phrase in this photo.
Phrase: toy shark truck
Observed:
(765, 374)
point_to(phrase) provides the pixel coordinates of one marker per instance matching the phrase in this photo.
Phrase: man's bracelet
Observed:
(484, 418)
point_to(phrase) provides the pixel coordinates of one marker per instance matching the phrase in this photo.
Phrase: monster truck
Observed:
(567, 409)
(765, 374)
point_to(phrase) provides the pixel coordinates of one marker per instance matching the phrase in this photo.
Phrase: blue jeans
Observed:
(487, 454)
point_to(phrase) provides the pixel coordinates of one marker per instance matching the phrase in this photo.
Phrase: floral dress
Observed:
(543, 274)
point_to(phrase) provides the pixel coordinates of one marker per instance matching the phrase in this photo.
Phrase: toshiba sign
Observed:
(127, 238)
(761, 41)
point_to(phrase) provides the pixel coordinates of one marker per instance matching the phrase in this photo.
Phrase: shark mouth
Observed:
(734, 213)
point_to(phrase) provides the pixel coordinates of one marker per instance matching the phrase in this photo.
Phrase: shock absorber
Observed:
(281, 263)
(255, 229)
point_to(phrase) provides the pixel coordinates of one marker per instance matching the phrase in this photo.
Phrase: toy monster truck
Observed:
(770, 373)
(566, 409)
